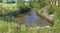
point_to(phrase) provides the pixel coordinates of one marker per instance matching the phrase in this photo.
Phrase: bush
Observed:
(34, 5)
(50, 10)
(7, 18)
(24, 9)
(14, 9)
(10, 8)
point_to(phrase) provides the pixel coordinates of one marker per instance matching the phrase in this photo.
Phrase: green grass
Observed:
(6, 27)
(12, 27)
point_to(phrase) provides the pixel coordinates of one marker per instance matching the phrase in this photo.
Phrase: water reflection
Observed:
(33, 20)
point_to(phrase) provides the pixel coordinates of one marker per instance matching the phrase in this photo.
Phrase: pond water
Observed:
(32, 20)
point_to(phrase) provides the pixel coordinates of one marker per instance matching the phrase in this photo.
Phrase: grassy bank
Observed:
(11, 27)
(8, 27)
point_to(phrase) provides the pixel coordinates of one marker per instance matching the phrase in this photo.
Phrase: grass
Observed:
(12, 27)
(6, 27)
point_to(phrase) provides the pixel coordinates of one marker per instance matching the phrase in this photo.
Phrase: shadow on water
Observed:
(32, 20)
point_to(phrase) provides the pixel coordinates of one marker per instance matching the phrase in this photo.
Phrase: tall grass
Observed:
(6, 27)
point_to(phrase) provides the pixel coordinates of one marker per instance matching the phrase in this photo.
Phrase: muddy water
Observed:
(32, 20)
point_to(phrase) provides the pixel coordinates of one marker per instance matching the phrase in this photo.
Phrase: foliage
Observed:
(1, 1)
(50, 10)
(42, 3)
(34, 5)
(58, 12)
(6, 27)
(14, 9)
(38, 4)
(5, 9)
(7, 18)
(56, 27)
(24, 9)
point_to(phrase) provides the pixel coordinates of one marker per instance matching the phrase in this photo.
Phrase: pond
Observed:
(32, 20)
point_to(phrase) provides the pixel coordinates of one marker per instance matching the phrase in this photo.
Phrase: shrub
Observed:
(51, 9)
(34, 5)
(7, 18)
(10, 8)
(14, 9)
(24, 9)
